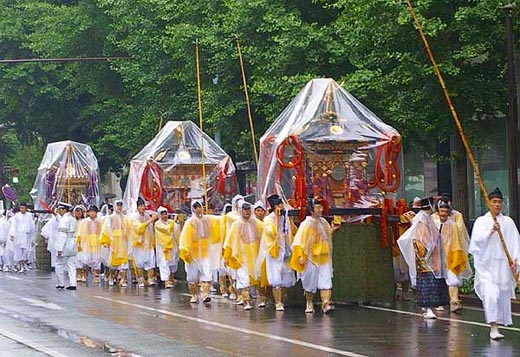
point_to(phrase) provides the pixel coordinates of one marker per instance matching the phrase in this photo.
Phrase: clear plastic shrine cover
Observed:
(327, 144)
(68, 172)
(168, 170)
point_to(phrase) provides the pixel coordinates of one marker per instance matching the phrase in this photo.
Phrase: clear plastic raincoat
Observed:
(328, 144)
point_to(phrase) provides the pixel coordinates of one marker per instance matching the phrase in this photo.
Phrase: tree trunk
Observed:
(460, 178)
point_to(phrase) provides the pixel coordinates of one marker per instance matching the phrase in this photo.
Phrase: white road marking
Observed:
(481, 309)
(41, 303)
(17, 278)
(238, 329)
(34, 345)
(438, 317)
(219, 350)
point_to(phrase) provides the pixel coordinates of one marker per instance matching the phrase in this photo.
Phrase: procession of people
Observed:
(250, 248)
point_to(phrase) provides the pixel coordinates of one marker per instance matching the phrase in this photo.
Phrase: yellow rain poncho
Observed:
(312, 241)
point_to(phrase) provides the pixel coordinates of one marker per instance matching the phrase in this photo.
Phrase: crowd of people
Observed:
(249, 248)
(246, 249)
(434, 255)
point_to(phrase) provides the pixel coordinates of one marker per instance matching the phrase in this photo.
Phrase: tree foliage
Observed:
(371, 46)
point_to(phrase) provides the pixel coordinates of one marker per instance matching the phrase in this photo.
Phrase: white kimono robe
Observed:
(67, 245)
(50, 232)
(4, 237)
(23, 230)
(494, 283)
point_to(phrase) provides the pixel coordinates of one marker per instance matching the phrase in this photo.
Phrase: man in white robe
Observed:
(494, 282)
(142, 225)
(66, 248)
(4, 237)
(450, 224)
(167, 247)
(275, 251)
(50, 233)
(8, 249)
(21, 233)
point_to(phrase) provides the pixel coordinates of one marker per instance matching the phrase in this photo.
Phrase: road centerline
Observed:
(475, 323)
(238, 329)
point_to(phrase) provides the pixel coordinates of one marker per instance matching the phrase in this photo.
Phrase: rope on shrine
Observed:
(297, 165)
(151, 184)
(280, 152)
(389, 178)
(458, 125)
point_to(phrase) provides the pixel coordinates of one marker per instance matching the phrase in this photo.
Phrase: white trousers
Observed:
(144, 258)
(92, 260)
(279, 274)
(79, 263)
(52, 251)
(20, 254)
(8, 253)
(316, 277)
(198, 270)
(243, 278)
(452, 279)
(496, 303)
(53, 257)
(2, 250)
(104, 255)
(31, 254)
(167, 267)
(68, 264)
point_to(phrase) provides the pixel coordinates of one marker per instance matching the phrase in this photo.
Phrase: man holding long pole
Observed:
(494, 274)
(512, 264)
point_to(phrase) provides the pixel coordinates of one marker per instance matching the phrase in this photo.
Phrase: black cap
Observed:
(446, 197)
(426, 203)
(311, 201)
(443, 204)
(140, 202)
(496, 193)
(274, 200)
(92, 208)
(22, 204)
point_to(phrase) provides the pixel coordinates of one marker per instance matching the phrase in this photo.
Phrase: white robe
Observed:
(4, 237)
(424, 231)
(66, 239)
(494, 283)
(67, 245)
(50, 232)
(23, 230)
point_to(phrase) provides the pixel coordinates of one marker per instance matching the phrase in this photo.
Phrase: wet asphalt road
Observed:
(101, 320)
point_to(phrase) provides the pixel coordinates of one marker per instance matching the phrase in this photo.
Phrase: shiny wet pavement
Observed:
(157, 322)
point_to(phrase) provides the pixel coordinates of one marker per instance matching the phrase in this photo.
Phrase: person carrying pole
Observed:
(494, 275)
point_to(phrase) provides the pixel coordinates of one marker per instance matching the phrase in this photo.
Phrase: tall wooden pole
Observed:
(248, 105)
(467, 147)
(199, 106)
(512, 125)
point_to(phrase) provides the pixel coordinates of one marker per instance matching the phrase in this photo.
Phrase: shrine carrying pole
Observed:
(463, 137)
